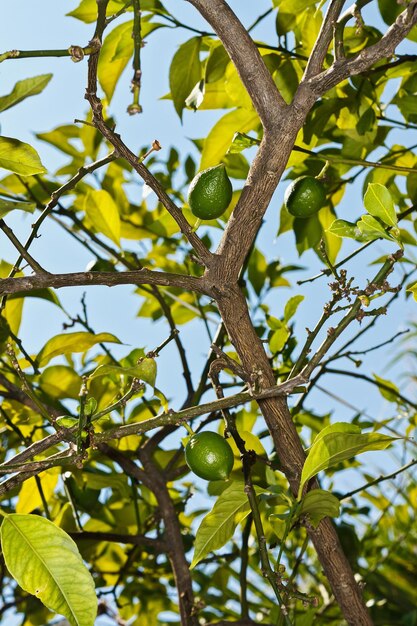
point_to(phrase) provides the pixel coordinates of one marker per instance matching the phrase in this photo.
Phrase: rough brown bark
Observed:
(287, 443)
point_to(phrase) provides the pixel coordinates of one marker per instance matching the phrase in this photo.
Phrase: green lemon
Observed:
(305, 196)
(209, 456)
(210, 193)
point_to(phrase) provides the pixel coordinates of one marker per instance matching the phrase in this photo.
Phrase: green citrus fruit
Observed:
(209, 456)
(210, 193)
(305, 196)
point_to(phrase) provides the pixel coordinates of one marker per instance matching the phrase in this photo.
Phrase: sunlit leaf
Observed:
(379, 203)
(241, 142)
(45, 562)
(114, 56)
(342, 228)
(319, 503)
(24, 89)
(185, 72)
(339, 443)
(69, 343)
(384, 387)
(6, 206)
(292, 306)
(19, 157)
(102, 210)
(87, 10)
(218, 526)
(30, 497)
(221, 135)
(371, 229)
(145, 370)
(279, 338)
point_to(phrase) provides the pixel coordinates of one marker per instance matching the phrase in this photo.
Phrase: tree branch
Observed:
(110, 279)
(256, 78)
(98, 121)
(385, 47)
(318, 54)
(151, 477)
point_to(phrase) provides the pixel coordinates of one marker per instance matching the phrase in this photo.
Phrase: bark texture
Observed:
(288, 446)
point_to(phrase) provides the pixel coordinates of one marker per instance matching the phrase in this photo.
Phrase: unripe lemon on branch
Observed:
(305, 196)
(209, 456)
(210, 193)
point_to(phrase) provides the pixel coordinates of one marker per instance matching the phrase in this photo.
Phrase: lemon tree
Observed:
(230, 311)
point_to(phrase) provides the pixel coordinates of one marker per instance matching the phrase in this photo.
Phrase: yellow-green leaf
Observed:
(218, 526)
(185, 72)
(29, 496)
(87, 10)
(6, 206)
(335, 444)
(114, 56)
(24, 89)
(318, 503)
(68, 343)
(19, 157)
(145, 370)
(221, 135)
(102, 210)
(46, 562)
(379, 203)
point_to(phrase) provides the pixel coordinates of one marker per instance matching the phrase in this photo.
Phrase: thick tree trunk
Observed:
(234, 311)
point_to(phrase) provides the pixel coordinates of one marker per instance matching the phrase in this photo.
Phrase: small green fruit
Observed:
(210, 193)
(209, 456)
(305, 196)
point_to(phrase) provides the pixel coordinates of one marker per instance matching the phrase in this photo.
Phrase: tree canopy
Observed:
(104, 518)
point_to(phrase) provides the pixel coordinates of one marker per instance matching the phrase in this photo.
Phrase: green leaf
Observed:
(24, 89)
(385, 393)
(371, 229)
(379, 203)
(240, 142)
(6, 206)
(342, 228)
(221, 135)
(45, 562)
(67, 421)
(292, 306)
(217, 63)
(308, 233)
(145, 370)
(318, 503)
(19, 157)
(335, 444)
(218, 526)
(102, 210)
(413, 289)
(293, 6)
(87, 10)
(72, 342)
(279, 337)
(30, 496)
(43, 294)
(185, 72)
(115, 53)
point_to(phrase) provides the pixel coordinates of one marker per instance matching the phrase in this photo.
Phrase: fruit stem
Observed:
(188, 428)
(322, 173)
